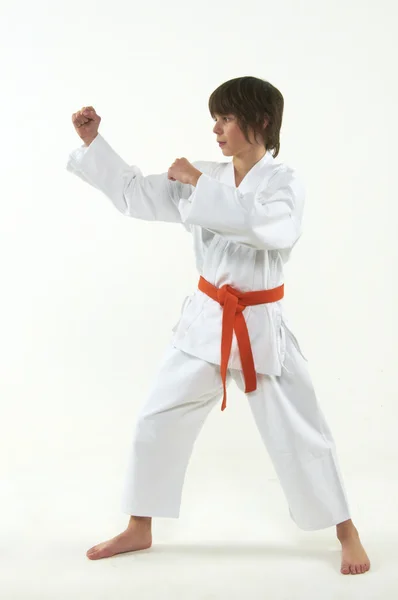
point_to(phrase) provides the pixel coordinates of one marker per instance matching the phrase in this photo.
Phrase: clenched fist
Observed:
(86, 123)
(182, 170)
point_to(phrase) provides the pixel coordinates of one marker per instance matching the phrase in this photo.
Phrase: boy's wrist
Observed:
(195, 176)
(88, 141)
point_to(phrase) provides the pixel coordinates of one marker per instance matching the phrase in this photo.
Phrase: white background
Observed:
(89, 297)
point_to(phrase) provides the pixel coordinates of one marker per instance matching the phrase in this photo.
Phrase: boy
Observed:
(245, 217)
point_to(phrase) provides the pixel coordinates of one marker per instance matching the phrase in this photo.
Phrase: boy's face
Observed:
(227, 130)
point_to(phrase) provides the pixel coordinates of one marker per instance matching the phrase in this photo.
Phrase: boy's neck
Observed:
(243, 163)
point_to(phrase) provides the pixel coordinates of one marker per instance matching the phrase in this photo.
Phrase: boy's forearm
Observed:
(195, 176)
(87, 141)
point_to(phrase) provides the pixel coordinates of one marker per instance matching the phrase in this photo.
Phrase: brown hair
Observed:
(251, 100)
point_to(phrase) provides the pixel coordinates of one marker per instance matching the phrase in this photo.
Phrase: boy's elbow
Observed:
(283, 239)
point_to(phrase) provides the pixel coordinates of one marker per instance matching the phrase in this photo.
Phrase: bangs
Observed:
(222, 103)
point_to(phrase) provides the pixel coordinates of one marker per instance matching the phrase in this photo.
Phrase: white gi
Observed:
(242, 237)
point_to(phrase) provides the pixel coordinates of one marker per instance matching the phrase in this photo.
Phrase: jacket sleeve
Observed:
(268, 219)
(151, 198)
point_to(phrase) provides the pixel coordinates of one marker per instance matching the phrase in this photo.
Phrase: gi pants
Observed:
(287, 415)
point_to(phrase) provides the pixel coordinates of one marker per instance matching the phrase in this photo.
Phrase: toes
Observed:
(354, 569)
(357, 569)
(93, 552)
(345, 569)
(98, 554)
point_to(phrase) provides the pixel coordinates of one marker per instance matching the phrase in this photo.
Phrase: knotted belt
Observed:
(234, 303)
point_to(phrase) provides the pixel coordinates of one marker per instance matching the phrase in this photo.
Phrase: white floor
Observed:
(234, 538)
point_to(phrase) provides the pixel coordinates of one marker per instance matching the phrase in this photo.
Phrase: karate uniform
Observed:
(242, 237)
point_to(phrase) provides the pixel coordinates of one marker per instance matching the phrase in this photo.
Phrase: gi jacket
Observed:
(242, 236)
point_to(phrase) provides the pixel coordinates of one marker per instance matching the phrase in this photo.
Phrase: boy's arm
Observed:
(268, 219)
(152, 198)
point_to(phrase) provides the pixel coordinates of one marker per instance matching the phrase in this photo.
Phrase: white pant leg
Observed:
(299, 442)
(184, 392)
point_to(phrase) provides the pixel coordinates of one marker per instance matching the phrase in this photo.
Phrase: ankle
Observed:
(346, 529)
(144, 522)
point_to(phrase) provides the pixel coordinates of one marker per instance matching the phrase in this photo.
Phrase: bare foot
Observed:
(137, 536)
(354, 561)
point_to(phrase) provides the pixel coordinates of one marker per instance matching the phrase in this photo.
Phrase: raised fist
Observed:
(86, 123)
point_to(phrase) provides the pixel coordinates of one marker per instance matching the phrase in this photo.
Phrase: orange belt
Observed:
(234, 303)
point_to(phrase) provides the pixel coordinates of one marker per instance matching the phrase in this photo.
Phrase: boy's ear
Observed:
(266, 121)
